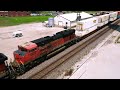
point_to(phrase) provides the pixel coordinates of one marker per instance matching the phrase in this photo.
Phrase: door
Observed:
(60, 23)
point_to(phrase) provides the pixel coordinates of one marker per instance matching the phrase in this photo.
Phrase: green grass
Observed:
(10, 21)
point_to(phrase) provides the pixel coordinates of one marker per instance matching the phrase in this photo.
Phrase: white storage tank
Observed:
(51, 22)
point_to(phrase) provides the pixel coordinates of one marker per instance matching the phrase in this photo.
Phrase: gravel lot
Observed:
(31, 31)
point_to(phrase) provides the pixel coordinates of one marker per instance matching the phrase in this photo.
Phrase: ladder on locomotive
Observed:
(11, 71)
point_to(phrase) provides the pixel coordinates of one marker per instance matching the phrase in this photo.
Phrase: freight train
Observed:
(37, 51)
(32, 53)
(88, 25)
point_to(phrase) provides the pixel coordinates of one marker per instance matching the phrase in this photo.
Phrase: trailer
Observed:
(85, 26)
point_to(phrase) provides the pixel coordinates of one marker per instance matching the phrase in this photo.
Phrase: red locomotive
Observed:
(34, 52)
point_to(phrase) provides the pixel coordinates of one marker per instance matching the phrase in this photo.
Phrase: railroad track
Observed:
(71, 51)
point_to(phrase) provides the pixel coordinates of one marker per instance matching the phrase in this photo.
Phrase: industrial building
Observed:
(14, 13)
(69, 19)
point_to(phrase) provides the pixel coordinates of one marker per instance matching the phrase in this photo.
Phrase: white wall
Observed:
(58, 20)
(73, 24)
(69, 17)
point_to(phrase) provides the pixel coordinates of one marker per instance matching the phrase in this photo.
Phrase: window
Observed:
(22, 53)
(33, 50)
(22, 49)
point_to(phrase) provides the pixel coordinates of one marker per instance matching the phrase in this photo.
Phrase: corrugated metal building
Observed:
(14, 13)
(69, 19)
(3, 13)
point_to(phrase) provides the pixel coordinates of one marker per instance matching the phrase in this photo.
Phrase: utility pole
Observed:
(78, 16)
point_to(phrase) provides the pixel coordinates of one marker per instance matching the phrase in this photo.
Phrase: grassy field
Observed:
(10, 21)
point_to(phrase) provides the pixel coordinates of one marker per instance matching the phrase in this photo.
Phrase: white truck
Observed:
(17, 34)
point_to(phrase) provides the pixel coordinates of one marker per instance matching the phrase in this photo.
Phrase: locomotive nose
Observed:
(16, 55)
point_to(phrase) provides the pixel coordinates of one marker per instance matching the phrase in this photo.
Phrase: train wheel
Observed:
(31, 65)
(13, 75)
(73, 42)
(68, 44)
(36, 62)
(22, 69)
(41, 59)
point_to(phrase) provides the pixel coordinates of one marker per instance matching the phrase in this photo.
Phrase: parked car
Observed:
(17, 34)
(34, 14)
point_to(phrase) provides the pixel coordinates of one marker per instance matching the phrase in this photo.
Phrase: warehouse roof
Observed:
(73, 16)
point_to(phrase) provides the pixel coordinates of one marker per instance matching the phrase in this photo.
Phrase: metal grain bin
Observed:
(51, 22)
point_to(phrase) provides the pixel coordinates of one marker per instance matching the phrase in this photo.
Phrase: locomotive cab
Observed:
(25, 52)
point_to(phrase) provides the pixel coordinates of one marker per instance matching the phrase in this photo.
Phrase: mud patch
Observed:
(68, 72)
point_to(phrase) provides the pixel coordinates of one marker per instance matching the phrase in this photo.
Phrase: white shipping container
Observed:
(85, 26)
(103, 19)
(113, 16)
